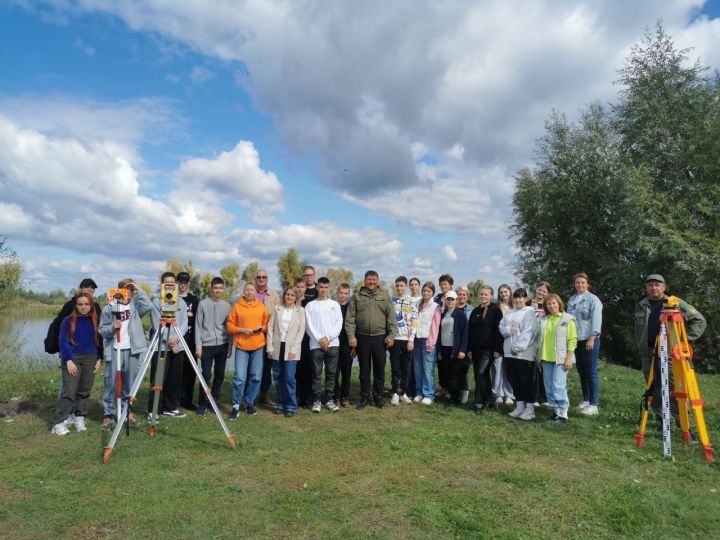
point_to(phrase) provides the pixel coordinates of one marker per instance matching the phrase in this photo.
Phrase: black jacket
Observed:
(484, 331)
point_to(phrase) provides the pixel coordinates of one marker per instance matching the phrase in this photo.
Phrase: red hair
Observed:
(74, 317)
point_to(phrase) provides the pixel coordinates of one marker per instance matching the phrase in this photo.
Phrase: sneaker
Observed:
(70, 420)
(527, 414)
(509, 401)
(80, 424)
(251, 410)
(544, 404)
(583, 404)
(561, 419)
(464, 396)
(278, 411)
(344, 402)
(498, 401)
(479, 409)
(60, 429)
(108, 423)
(234, 414)
(417, 399)
(590, 410)
(289, 414)
(405, 398)
(188, 405)
(201, 410)
(361, 405)
(331, 406)
(317, 407)
(173, 414)
(519, 409)
(395, 400)
(426, 401)
(379, 403)
(554, 417)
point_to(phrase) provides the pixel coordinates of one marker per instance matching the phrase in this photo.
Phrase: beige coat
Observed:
(296, 331)
(272, 299)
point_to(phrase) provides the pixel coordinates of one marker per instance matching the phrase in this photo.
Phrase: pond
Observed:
(22, 336)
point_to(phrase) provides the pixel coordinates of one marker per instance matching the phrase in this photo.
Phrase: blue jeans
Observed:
(555, 379)
(130, 364)
(587, 363)
(424, 366)
(284, 375)
(248, 368)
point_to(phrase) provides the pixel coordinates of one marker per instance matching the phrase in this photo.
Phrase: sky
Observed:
(375, 134)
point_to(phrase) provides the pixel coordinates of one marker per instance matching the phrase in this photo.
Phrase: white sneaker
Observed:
(60, 429)
(405, 398)
(590, 410)
(509, 401)
(70, 420)
(417, 399)
(583, 404)
(519, 409)
(426, 401)
(331, 406)
(317, 407)
(464, 396)
(80, 423)
(395, 400)
(498, 401)
(528, 414)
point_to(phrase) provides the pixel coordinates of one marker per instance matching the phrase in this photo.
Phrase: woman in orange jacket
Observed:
(247, 324)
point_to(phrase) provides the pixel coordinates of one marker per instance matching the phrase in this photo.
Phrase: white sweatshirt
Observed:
(323, 318)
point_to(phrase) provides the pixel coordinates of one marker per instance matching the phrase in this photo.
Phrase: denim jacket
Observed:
(587, 310)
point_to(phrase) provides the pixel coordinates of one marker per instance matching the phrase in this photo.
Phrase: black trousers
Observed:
(217, 355)
(371, 354)
(172, 383)
(303, 374)
(482, 362)
(188, 377)
(344, 372)
(400, 363)
(266, 381)
(523, 378)
(456, 371)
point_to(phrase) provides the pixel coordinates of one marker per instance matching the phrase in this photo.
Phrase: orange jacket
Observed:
(245, 315)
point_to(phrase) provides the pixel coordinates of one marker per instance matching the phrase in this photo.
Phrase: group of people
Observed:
(521, 349)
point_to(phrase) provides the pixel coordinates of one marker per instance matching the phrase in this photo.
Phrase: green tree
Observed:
(290, 267)
(231, 275)
(248, 275)
(628, 191)
(474, 291)
(204, 287)
(338, 276)
(10, 273)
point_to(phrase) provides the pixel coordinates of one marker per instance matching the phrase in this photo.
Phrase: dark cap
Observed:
(183, 276)
(87, 282)
(655, 277)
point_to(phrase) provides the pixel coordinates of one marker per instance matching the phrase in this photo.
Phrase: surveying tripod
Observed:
(159, 343)
(672, 341)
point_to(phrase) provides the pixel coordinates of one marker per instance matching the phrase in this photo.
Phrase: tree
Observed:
(10, 273)
(474, 288)
(204, 286)
(231, 275)
(248, 275)
(338, 276)
(290, 267)
(628, 191)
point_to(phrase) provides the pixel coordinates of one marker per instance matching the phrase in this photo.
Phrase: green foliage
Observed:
(338, 276)
(290, 267)
(474, 291)
(248, 275)
(629, 191)
(203, 288)
(10, 273)
(231, 275)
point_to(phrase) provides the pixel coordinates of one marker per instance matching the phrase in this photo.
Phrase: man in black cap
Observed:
(52, 341)
(188, 374)
(647, 329)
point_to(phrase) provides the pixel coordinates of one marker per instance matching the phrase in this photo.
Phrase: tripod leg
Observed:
(118, 377)
(159, 378)
(694, 399)
(647, 400)
(133, 392)
(206, 389)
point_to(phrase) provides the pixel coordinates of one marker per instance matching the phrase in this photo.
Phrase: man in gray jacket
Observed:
(647, 329)
(212, 341)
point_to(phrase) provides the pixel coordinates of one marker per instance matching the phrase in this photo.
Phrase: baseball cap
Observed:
(655, 277)
(451, 294)
(88, 282)
(183, 276)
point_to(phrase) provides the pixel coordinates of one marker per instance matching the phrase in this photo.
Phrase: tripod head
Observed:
(671, 303)
(168, 300)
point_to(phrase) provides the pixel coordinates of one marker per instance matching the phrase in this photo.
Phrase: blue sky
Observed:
(132, 132)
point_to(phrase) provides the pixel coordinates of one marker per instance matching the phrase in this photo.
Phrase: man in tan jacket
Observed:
(270, 298)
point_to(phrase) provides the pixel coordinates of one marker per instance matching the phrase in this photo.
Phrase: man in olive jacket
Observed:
(647, 329)
(371, 327)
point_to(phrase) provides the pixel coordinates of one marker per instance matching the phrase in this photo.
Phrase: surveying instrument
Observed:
(672, 343)
(160, 342)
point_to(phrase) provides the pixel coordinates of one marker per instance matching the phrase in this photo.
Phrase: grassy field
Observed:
(403, 472)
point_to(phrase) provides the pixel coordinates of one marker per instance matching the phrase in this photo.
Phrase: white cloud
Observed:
(201, 74)
(87, 49)
(450, 254)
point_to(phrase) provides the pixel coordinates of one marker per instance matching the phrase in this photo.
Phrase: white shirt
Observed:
(323, 318)
(124, 316)
(285, 323)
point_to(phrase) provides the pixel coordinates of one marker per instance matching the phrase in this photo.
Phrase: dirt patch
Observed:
(17, 406)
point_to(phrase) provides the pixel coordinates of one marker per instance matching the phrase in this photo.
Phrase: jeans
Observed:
(284, 375)
(329, 359)
(482, 361)
(130, 364)
(555, 379)
(213, 354)
(248, 369)
(501, 386)
(587, 363)
(424, 364)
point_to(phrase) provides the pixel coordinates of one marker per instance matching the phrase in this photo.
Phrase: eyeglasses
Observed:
(308, 275)
(260, 277)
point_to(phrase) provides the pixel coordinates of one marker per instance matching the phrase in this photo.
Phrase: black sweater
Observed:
(484, 331)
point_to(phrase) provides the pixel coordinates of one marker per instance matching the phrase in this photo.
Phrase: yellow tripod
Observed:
(673, 342)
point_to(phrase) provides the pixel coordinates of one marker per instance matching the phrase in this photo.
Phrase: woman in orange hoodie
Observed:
(247, 323)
